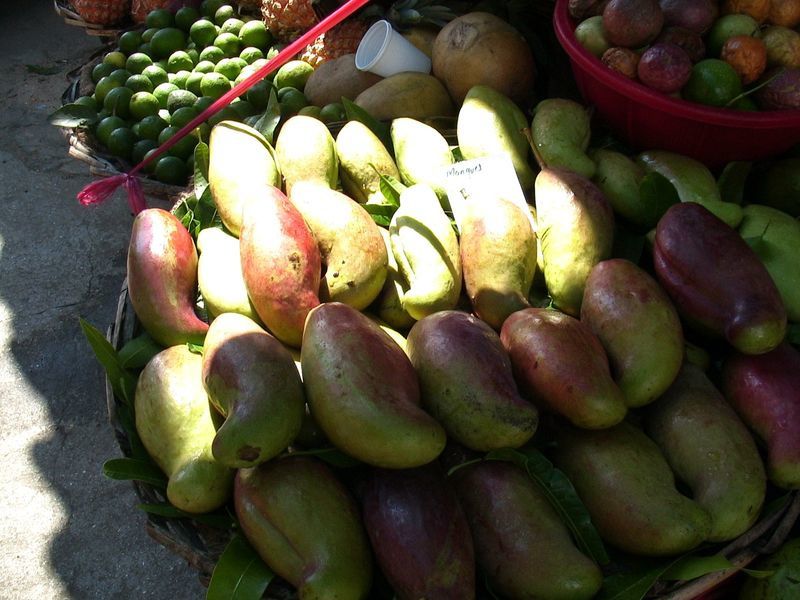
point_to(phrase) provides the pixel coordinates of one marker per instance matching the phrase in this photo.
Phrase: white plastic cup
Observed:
(384, 51)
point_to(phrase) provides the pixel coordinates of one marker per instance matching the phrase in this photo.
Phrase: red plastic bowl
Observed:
(649, 120)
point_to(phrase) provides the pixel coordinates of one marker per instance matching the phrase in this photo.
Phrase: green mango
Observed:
(575, 229)
(693, 181)
(629, 490)
(775, 237)
(362, 160)
(426, 249)
(351, 247)
(422, 153)
(491, 124)
(251, 379)
(779, 186)
(306, 151)
(710, 449)
(389, 304)
(561, 130)
(783, 581)
(306, 527)
(241, 162)
(174, 421)
(219, 274)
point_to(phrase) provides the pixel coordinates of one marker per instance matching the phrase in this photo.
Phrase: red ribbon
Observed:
(99, 191)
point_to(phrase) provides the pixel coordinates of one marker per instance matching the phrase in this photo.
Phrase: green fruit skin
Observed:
(561, 365)
(779, 186)
(710, 449)
(174, 422)
(561, 130)
(362, 160)
(467, 383)
(520, 541)
(693, 181)
(575, 229)
(783, 583)
(241, 164)
(489, 123)
(363, 391)
(350, 244)
(498, 259)
(306, 527)
(629, 490)
(427, 252)
(421, 154)
(776, 240)
(306, 151)
(162, 278)
(389, 305)
(251, 379)
(627, 309)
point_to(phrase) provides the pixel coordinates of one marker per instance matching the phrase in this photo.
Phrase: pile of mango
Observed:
(342, 306)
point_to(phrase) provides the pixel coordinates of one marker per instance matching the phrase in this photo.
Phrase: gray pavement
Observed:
(65, 530)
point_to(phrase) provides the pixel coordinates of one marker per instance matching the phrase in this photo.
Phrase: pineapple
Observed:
(102, 12)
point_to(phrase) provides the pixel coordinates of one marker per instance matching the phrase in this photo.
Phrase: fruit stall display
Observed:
(444, 335)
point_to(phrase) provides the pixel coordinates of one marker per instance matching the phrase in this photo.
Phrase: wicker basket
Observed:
(65, 10)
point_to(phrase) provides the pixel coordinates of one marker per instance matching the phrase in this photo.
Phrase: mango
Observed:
(241, 164)
(629, 490)
(627, 309)
(175, 424)
(710, 449)
(575, 229)
(560, 365)
(520, 541)
(281, 265)
(305, 526)
(162, 278)
(693, 181)
(389, 305)
(718, 284)
(350, 244)
(306, 151)
(775, 238)
(426, 249)
(409, 94)
(363, 391)
(561, 129)
(250, 378)
(498, 258)
(362, 160)
(783, 581)
(765, 391)
(419, 534)
(467, 383)
(491, 124)
(422, 153)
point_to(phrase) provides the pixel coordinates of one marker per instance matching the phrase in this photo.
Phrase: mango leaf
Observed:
(332, 456)
(758, 574)
(205, 213)
(561, 495)
(391, 189)
(380, 213)
(136, 353)
(633, 585)
(220, 519)
(132, 469)
(73, 115)
(354, 112)
(122, 382)
(732, 181)
(657, 194)
(201, 158)
(691, 567)
(267, 123)
(239, 574)
(127, 422)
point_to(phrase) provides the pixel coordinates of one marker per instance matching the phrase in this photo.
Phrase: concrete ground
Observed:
(65, 530)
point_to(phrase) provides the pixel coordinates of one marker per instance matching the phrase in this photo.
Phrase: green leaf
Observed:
(562, 496)
(128, 424)
(332, 456)
(122, 382)
(355, 113)
(732, 180)
(132, 469)
(632, 585)
(391, 189)
(73, 115)
(381, 213)
(758, 574)
(267, 123)
(691, 567)
(657, 195)
(219, 519)
(239, 574)
(205, 213)
(195, 348)
(137, 352)
(201, 159)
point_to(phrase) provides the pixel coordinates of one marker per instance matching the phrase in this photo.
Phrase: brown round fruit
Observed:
(783, 46)
(582, 9)
(758, 9)
(781, 90)
(747, 55)
(784, 12)
(664, 67)
(694, 15)
(622, 60)
(691, 42)
(632, 23)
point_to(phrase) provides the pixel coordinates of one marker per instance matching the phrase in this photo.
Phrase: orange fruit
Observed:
(784, 12)
(747, 55)
(758, 9)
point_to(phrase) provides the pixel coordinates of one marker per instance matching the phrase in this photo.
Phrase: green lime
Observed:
(204, 66)
(172, 170)
(163, 91)
(185, 17)
(102, 114)
(160, 18)
(106, 126)
(291, 101)
(139, 83)
(130, 41)
(203, 32)
(211, 54)
(179, 61)
(244, 74)
(148, 34)
(203, 102)
(228, 68)
(141, 148)
(294, 74)
(166, 41)
(332, 113)
(232, 25)
(258, 95)
(183, 115)
(228, 43)
(105, 85)
(193, 83)
(121, 141)
(251, 54)
(190, 163)
(244, 108)
(143, 104)
(115, 59)
(183, 147)
(713, 82)
(179, 98)
(156, 75)
(117, 102)
(120, 75)
(255, 33)
(101, 70)
(164, 114)
(146, 48)
(193, 54)
(209, 7)
(727, 26)
(214, 85)
(180, 78)
(138, 62)
(272, 52)
(745, 103)
(310, 111)
(259, 62)
(226, 114)
(149, 127)
(87, 101)
(224, 13)
(150, 167)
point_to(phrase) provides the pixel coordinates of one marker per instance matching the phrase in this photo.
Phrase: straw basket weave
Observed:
(67, 12)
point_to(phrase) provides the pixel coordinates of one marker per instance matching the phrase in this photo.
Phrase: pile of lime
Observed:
(161, 78)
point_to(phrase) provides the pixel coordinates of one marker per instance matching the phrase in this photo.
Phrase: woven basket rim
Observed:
(66, 11)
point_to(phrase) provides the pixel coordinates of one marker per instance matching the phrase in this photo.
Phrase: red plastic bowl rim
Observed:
(564, 28)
